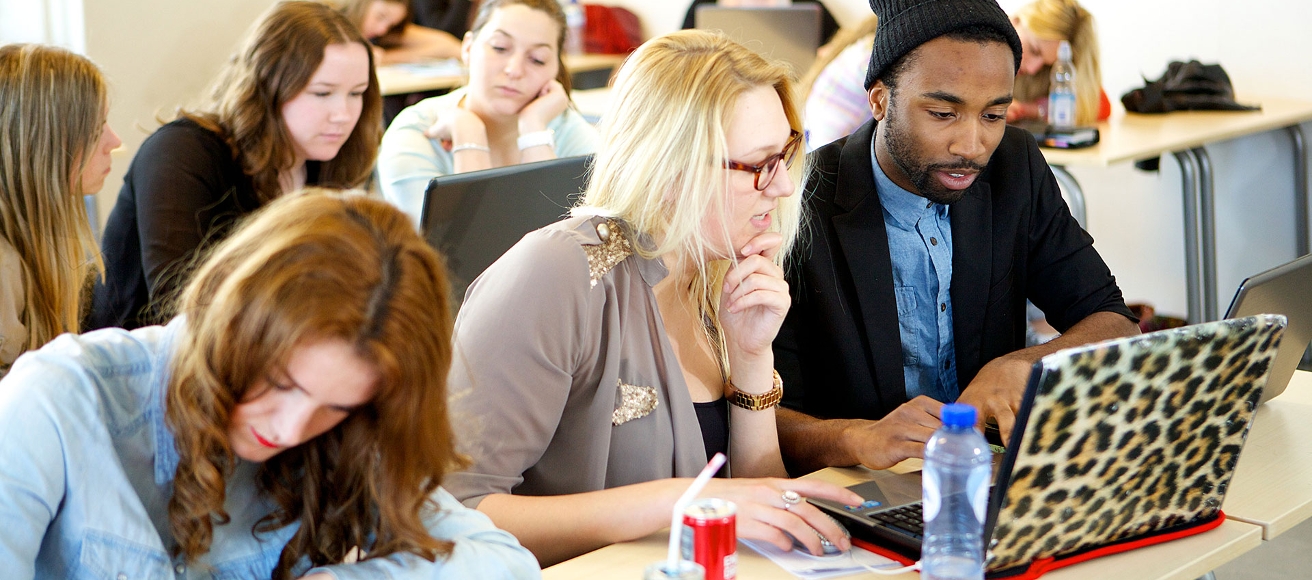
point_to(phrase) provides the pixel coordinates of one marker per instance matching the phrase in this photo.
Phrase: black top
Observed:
(839, 350)
(713, 417)
(828, 26)
(182, 193)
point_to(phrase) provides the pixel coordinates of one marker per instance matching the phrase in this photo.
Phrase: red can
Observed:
(710, 537)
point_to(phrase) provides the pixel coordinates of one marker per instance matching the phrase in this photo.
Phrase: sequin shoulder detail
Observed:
(612, 250)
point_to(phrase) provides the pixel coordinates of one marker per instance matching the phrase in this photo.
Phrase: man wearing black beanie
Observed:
(929, 228)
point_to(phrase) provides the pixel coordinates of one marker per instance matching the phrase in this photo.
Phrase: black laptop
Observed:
(1117, 444)
(1285, 289)
(474, 217)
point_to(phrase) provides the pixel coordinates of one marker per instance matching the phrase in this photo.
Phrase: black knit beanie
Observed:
(904, 25)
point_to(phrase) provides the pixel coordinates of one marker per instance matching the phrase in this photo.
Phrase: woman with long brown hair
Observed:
(293, 416)
(514, 109)
(297, 104)
(55, 145)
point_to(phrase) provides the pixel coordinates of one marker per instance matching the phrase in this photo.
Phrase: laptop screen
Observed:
(1285, 289)
(473, 218)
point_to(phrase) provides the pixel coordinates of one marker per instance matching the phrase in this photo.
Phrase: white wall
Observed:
(158, 55)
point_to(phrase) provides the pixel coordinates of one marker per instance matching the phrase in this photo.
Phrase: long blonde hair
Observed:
(274, 63)
(661, 163)
(309, 267)
(1065, 20)
(846, 36)
(52, 116)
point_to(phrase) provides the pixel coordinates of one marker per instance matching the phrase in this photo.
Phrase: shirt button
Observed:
(929, 205)
(179, 568)
(122, 577)
(943, 307)
(933, 241)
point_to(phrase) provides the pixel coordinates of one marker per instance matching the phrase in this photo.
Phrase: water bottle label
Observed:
(1061, 109)
(931, 499)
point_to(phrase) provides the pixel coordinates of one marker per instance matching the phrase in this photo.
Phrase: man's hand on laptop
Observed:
(997, 391)
(899, 435)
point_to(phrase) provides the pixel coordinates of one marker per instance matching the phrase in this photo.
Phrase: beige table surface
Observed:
(1132, 136)
(396, 80)
(1272, 486)
(1184, 559)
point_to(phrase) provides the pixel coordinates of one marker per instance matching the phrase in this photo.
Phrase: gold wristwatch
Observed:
(752, 402)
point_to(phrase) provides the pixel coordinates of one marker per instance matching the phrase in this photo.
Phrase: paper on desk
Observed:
(804, 565)
(450, 67)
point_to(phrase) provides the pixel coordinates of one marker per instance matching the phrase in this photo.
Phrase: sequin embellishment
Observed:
(612, 250)
(635, 403)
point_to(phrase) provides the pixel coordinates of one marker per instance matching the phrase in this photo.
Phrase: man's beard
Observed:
(921, 174)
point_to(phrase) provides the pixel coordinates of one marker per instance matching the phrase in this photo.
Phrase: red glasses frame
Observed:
(770, 166)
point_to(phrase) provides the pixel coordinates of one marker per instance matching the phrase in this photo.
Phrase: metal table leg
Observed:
(1301, 238)
(1073, 194)
(1192, 263)
(1207, 233)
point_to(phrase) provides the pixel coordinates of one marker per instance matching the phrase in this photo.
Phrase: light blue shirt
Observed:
(86, 473)
(920, 246)
(408, 159)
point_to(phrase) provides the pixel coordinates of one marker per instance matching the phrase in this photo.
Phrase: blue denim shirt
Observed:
(920, 246)
(86, 473)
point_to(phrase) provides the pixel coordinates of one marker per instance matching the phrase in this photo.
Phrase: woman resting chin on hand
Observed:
(515, 108)
(601, 360)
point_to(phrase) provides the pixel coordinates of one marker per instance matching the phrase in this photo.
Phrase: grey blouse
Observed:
(563, 380)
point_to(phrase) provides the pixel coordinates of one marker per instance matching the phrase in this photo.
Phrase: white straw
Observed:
(676, 522)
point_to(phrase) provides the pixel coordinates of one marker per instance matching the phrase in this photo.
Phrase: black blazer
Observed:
(839, 351)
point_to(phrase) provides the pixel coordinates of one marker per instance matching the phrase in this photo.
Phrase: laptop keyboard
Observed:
(908, 519)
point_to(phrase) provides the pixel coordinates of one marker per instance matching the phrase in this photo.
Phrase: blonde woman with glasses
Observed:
(55, 144)
(603, 358)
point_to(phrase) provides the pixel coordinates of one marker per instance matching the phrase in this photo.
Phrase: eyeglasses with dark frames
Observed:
(765, 171)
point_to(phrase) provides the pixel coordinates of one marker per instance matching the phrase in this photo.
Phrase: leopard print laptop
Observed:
(1127, 440)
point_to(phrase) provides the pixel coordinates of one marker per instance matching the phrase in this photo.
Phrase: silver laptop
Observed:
(787, 33)
(1285, 289)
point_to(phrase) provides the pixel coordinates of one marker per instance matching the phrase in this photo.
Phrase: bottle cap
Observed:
(1064, 50)
(957, 415)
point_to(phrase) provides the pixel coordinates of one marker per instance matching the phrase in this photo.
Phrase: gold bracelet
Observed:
(752, 402)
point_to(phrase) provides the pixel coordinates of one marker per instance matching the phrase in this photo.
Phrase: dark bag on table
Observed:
(1186, 86)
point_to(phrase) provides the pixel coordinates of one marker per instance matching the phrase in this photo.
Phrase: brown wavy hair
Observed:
(356, 9)
(274, 63)
(52, 119)
(550, 8)
(312, 267)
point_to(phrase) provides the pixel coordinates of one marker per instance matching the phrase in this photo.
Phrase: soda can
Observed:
(710, 537)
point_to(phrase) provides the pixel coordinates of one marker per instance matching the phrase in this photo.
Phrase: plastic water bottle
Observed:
(576, 24)
(955, 483)
(1061, 90)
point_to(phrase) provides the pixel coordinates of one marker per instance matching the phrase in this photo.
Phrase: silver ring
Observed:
(791, 498)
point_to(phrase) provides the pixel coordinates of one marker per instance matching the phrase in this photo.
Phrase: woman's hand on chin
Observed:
(550, 102)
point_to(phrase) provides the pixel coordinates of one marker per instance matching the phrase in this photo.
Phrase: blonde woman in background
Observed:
(1042, 25)
(834, 88)
(386, 23)
(613, 351)
(55, 144)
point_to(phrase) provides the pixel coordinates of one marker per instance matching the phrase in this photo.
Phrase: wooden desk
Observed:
(1130, 137)
(396, 80)
(1272, 486)
(1184, 559)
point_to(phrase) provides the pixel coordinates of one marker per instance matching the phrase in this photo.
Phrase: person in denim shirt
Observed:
(290, 422)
